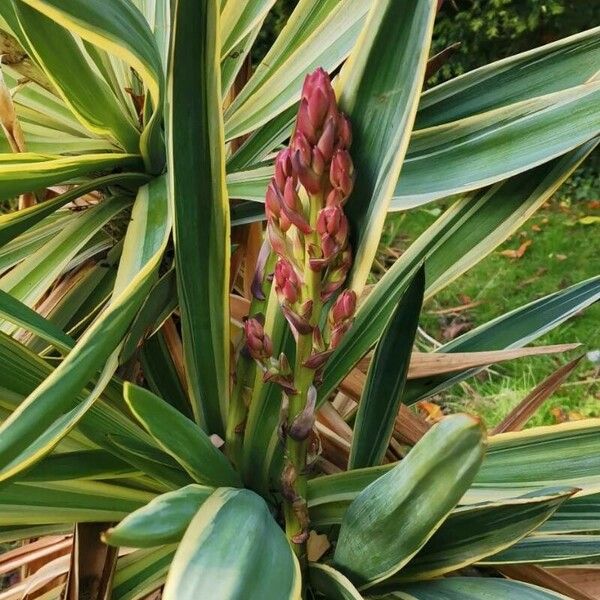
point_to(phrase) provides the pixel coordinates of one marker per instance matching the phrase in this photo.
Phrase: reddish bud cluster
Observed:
(258, 342)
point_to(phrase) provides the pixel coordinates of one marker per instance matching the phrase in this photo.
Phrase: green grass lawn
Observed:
(563, 251)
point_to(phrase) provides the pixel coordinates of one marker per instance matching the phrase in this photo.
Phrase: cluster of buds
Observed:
(306, 224)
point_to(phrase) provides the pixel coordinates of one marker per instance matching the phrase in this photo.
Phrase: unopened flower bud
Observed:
(292, 207)
(287, 284)
(258, 342)
(337, 334)
(341, 173)
(283, 167)
(308, 163)
(344, 133)
(332, 226)
(344, 307)
(327, 140)
(316, 105)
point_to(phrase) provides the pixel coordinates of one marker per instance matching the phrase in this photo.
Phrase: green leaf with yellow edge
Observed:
(162, 521)
(473, 532)
(119, 28)
(67, 502)
(550, 550)
(482, 149)
(385, 525)
(549, 68)
(54, 401)
(379, 90)
(14, 223)
(234, 528)
(28, 171)
(141, 572)
(180, 437)
(330, 583)
(318, 33)
(471, 588)
(83, 90)
(200, 207)
(20, 314)
(382, 394)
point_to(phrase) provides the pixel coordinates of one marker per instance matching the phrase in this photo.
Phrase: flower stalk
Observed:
(308, 232)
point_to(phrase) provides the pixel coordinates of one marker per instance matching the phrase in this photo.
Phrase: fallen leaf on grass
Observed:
(589, 220)
(519, 252)
(561, 256)
(593, 204)
(562, 416)
(455, 328)
(536, 228)
(432, 411)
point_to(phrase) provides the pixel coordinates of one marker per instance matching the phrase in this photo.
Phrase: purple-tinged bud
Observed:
(336, 274)
(304, 421)
(341, 173)
(337, 334)
(335, 198)
(344, 307)
(287, 284)
(316, 106)
(259, 274)
(272, 203)
(303, 158)
(299, 325)
(317, 360)
(344, 132)
(332, 226)
(330, 220)
(292, 207)
(258, 342)
(276, 238)
(283, 167)
(327, 140)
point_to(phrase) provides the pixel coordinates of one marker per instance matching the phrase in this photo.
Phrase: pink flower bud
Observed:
(292, 207)
(337, 334)
(316, 106)
(283, 167)
(329, 220)
(332, 226)
(258, 342)
(344, 307)
(344, 132)
(287, 284)
(327, 140)
(341, 173)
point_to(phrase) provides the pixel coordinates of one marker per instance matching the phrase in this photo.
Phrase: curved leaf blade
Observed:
(472, 588)
(53, 400)
(162, 521)
(180, 437)
(200, 207)
(385, 525)
(233, 529)
(331, 583)
(386, 378)
(379, 89)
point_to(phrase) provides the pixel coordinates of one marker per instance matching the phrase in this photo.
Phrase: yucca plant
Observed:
(194, 406)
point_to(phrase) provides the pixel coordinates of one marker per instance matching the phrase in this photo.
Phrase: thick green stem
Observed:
(294, 475)
(244, 381)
